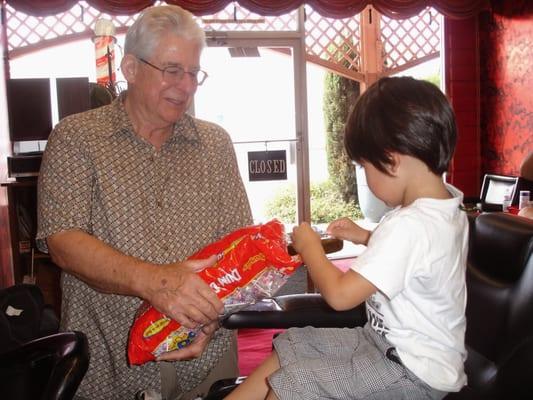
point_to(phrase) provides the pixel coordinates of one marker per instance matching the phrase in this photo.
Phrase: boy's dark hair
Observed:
(402, 115)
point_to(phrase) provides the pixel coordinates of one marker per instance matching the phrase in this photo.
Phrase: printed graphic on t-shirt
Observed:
(375, 317)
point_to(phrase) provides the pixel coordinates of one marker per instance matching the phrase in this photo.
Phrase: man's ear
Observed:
(394, 165)
(129, 67)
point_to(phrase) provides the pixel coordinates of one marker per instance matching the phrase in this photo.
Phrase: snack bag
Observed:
(252, 264)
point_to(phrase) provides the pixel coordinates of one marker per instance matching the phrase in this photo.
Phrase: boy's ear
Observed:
(129, 67)
(394, 165)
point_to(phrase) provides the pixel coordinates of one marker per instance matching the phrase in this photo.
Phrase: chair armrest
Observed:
(49, 367)
(297, 310)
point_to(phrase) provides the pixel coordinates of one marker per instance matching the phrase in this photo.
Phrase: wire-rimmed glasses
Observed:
(175, 73)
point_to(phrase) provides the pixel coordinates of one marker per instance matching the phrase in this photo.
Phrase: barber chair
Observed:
(47, 368)
(37, 362)
(499, 311)
(499, 334)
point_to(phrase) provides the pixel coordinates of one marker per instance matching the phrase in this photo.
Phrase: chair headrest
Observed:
(501, 245)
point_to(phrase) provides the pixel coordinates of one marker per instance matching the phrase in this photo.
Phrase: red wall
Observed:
(506, 76)
(462, 87)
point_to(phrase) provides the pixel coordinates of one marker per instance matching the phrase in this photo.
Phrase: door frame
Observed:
(296, 41)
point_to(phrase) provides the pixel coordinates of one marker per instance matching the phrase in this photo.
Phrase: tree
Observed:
(339, 96)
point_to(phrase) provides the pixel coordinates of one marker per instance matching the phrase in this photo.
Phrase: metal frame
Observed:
(296, 41)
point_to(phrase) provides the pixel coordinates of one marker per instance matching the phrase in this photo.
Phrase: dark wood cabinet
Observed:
(29, 264)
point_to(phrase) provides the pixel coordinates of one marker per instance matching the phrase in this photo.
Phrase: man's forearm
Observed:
(98, 264)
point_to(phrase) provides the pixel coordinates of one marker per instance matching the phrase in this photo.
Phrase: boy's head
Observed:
(402, 115)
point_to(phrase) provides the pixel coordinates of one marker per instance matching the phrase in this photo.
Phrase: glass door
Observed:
(252, 91)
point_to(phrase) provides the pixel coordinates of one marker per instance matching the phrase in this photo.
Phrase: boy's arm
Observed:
(341, 290)
(346, 229)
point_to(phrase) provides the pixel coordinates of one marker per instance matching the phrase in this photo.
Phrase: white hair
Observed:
(156, 21)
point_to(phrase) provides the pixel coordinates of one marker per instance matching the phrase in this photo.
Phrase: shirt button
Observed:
(159, 203)
(152, 159)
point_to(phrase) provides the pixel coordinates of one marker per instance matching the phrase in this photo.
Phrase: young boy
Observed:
(411, 275)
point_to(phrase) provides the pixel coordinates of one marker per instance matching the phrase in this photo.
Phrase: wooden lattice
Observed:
(26, 32)
(333, 43)
(405, 41)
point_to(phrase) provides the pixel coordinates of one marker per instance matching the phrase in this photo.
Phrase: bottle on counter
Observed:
(506, 203)
(523, 199)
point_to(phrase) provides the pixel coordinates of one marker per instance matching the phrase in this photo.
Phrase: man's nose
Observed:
(188, 83)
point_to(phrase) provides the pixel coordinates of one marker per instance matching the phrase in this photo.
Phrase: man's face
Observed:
(164, 101)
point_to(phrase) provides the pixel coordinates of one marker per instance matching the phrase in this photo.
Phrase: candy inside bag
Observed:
(252, 264)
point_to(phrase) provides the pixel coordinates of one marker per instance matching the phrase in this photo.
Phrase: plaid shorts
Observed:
(348, 363)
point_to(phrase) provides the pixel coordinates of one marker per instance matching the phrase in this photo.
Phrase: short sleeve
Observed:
(64, 186)
(393, 251)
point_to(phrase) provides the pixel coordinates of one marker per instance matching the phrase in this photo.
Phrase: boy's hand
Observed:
(305, 238)
(346, 229)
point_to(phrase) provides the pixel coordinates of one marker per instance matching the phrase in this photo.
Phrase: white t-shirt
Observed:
(416, 257)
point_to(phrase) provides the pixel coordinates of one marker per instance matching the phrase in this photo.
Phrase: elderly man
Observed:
(126, 192)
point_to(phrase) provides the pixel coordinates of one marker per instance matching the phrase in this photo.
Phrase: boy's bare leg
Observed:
(256, 386)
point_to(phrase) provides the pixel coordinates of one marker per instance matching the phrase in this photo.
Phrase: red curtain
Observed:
(327, 8)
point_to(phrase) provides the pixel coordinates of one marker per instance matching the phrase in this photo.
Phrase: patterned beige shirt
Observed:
(98, 176)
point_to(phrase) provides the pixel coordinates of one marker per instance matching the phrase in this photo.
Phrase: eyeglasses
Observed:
(175, 73)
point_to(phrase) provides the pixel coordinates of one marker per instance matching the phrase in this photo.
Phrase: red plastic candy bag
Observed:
(252, 264)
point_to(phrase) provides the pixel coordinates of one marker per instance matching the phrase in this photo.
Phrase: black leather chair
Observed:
(37, 362)
(24, 316)
(499, 311)
(47, 368)
(296, 310)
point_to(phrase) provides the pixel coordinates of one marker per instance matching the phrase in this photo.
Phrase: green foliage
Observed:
(283, 205)
(326, 204)
(339, 96)
(434, 79)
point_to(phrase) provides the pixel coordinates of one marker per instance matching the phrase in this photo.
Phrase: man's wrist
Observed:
(143, 279)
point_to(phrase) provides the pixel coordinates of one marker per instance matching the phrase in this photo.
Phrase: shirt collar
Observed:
(185, 127)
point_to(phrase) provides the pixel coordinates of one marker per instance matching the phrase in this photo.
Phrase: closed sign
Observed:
(267, 165)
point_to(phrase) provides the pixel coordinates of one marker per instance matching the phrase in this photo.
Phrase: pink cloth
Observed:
(254, 346)
(344, 264)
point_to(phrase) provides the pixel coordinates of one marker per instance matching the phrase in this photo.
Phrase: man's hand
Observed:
(179, 293)
(193, 350)
(346, 229)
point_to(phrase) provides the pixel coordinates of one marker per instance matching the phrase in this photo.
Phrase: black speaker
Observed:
(30, 110)
(24, 166)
